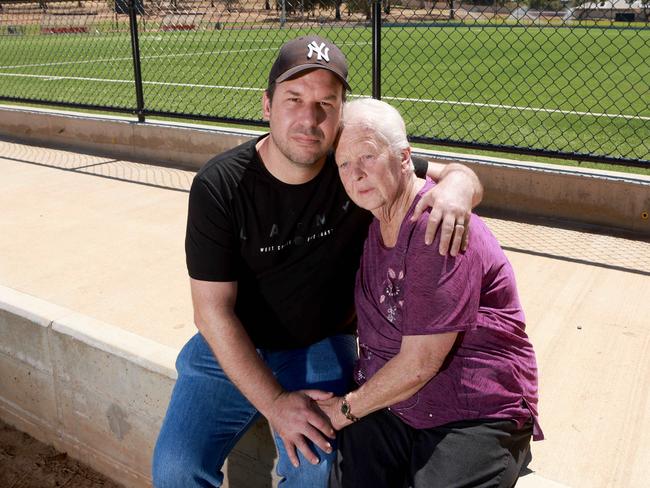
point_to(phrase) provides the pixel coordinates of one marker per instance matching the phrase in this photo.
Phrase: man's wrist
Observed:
(268, 406)
(466, 175)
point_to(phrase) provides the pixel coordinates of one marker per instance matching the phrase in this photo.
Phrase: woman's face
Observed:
(371, 173)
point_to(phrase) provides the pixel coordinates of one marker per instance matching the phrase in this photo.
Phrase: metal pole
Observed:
(137, 70)
(283, 13)
(376, 49)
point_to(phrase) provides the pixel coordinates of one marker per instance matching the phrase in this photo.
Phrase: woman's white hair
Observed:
(381, 118)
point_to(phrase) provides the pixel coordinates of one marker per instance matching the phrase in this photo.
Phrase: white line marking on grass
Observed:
(401, 99)
(52, 78)
(63, 63)
(163, 83)
(194, 85)
(157, 56)
(130, 58)
(515, 107)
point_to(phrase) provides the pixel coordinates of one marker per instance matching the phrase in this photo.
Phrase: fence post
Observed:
(283, 13)
(376, 49)
(135, 50)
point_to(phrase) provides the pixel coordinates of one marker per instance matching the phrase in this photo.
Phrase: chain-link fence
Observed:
(561, 77)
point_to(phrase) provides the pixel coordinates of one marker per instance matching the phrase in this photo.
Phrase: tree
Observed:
(645, 6)
(359, 6)
(337, 9)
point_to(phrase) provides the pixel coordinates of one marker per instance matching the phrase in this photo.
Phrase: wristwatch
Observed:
(346, 410)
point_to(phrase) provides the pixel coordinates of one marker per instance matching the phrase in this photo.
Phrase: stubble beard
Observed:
(295, 156)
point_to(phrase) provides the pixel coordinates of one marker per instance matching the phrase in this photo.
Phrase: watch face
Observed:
(345, 408)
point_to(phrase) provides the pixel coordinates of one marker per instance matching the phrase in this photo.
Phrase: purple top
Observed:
(409, 289)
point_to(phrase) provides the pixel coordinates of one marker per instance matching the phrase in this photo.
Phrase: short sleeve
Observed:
(420, 165)
(442, 293)
(211, 252)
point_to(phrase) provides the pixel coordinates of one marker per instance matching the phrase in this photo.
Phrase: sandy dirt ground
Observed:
(28, 463)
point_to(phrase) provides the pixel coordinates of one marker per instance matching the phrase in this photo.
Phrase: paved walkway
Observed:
(105, 238)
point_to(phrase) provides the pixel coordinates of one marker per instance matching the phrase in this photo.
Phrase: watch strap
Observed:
(346, 410)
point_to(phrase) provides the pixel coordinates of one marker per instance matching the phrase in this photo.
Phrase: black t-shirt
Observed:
(293, 249)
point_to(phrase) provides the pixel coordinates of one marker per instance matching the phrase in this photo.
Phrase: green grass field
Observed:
(565, 89)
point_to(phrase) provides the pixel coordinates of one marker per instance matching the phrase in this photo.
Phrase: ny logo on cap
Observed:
(322, 51)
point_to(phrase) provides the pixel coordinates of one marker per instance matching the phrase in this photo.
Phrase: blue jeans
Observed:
(207, 414)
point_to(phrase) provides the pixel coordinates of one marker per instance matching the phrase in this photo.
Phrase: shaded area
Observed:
(576, 260)
(28, 463)
(570, 241)
(94, 164)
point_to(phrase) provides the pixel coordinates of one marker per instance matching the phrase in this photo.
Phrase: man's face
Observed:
(370, 172)
(304, 116)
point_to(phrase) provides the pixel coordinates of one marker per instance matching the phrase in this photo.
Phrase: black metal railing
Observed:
(562, 78)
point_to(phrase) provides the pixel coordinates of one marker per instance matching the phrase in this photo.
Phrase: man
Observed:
(272, 248)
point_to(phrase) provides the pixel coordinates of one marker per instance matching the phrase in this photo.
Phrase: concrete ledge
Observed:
(603, 198)
(166, 143)
(620, 201)
(118, 342)
(99, 392)
(533, 480)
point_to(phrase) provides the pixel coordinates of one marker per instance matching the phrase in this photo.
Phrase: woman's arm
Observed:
(419, 360)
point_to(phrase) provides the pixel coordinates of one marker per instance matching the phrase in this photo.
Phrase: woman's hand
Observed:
(419, 360)
(332, 408)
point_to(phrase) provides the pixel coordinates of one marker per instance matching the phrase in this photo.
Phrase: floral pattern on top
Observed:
(393, 291)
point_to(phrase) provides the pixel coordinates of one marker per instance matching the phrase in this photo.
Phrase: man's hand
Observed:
(295, 415)
(296, 418)
(451, 206)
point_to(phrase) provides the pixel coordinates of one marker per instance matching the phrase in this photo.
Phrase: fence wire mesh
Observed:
(560, 76)
(69, 52)
(562, 79)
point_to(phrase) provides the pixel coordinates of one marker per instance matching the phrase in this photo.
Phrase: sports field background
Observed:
(572, 88)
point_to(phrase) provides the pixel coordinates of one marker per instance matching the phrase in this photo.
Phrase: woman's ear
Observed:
(406, 163)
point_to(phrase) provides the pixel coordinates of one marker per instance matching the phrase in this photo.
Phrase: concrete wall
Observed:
(610, 199)
(617, 200)
(98, 392)
(184, 145)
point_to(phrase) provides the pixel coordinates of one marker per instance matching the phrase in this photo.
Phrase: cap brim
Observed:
(304, 67)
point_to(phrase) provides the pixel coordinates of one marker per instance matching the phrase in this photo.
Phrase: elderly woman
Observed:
(447, 377)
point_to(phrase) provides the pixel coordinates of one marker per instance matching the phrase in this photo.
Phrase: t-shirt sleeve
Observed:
(210, 241)
(421, 165)
(442, 292)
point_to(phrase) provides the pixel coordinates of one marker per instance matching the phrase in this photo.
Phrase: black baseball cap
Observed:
(305, 53)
